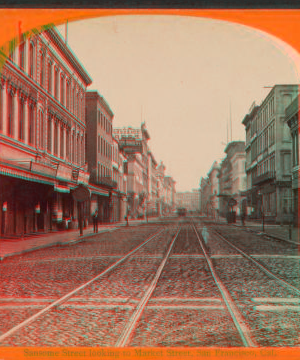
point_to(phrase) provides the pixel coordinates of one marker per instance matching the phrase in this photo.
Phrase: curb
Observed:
(245, 228)
(75, 240)
(57, 243)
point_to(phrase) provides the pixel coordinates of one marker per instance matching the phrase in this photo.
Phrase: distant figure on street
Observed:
(243, 217)
(95, 221)
(126, 218)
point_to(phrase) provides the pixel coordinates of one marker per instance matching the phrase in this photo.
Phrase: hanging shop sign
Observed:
(81, 193)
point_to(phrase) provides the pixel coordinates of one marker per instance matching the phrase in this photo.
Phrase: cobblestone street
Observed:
(173, 283)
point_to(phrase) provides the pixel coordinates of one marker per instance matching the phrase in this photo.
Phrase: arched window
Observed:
(68, 144)
(2, 89)
(49, 134)
(73, 147)
(62, 90)
(21, 121)
(62, 142)
(22, 55)
(82, 151)
(56, 83)
(10, 114)
(55, 138)
(31, 60)
(68, 96)
(49, 77)
(42, 75)
(41, 129)
(77, 149)
(31, 125)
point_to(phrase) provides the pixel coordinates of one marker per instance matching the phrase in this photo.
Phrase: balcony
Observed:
(270, 175)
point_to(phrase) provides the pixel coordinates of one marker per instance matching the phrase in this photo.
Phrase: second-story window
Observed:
(49, 135)
(31, 126)
(31, 60)
(68, 96)
(10, 114)
(22, 55)
(42, 69)
(56, 83)
(41, 130)
(62, 90)
(49, 77)
(55, 138)
(68, 144)
(21, 121)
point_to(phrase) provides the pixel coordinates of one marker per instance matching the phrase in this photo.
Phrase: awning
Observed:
(98, 191)
(21, 174)
(61, 188)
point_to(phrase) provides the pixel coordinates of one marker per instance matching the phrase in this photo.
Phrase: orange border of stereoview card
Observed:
(283, 24)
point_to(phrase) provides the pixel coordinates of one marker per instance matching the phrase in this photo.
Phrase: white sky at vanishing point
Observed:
(180, 75)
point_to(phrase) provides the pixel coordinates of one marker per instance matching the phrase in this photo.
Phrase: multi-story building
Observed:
(152, 185)
(169, 194)
(268, 160)
(292, 114)
(232, 178)
(42, 134)
(99, 119)
(119, 195)
(188, 200)
(213, 200)
(134, 143)
(205, 192)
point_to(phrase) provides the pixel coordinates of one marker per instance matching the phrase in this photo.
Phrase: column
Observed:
(4, 107)
(15, 124)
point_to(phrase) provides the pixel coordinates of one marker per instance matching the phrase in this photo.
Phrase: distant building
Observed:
(99, 119)
(188, 200)
(292, 116)
(169, 194)
(212, 205)
(268, 159)
(232, 177)
(119, 176)
(134, 143)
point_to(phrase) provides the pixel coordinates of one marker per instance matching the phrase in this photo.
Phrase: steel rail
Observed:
(131, 324)
(233, 310)
(67, 296)
(262, 268)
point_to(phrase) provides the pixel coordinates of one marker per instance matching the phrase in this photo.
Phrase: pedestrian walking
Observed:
(243, 216)
(95, 221)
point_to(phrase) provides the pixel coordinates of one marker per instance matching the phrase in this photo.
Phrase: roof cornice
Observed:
(69, 54)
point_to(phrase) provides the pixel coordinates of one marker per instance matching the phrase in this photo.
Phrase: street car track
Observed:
(70, 294)
(125, 336)
(232, 308)
(260, 266)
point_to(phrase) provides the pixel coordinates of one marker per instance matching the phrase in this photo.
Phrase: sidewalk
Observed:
(10, 246)
(272, 230)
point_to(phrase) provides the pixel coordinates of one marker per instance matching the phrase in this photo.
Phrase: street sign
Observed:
(81, 193)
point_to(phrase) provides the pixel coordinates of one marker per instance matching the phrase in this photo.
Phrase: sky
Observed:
(185, 77)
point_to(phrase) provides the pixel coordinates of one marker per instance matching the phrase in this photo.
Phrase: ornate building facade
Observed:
(269, 151)
(42, 134)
